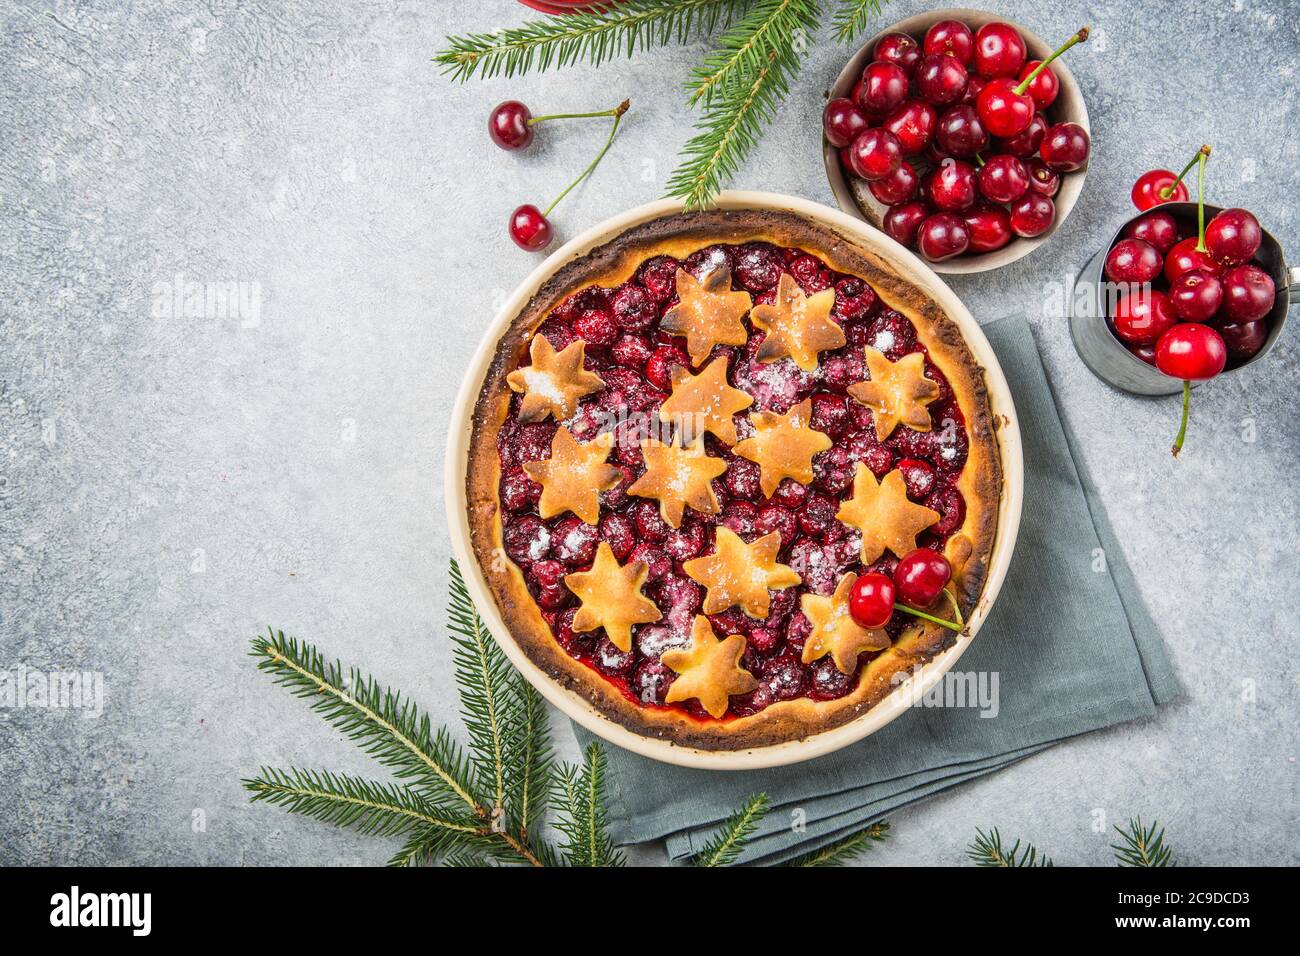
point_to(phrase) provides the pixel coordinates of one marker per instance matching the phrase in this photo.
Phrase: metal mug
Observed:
(1107, 357)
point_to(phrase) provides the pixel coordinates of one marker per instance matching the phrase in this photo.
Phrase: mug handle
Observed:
(1293, 290)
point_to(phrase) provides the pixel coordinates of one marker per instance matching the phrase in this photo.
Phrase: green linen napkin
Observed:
(1069, 641)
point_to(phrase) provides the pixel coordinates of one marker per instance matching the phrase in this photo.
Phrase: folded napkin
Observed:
(1072, 646)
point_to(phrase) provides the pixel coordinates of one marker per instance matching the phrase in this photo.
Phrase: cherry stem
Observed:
(618, 117)
(1182, 429)
(1167, 191)
(1200, 200)
(1079, 37)
(616, 111)
(951, 625)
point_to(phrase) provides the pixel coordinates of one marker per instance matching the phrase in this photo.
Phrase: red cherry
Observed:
(960, 132)
(902, 221)
(951, 37)
(1044, 87)
(508, 125)
(942, 236)
(842, 121)
(1244, 339)
(1233, 236)
(1195, 296)
(974, 84)
(1065, 147)
(1157, 228)
(1044, 181)
(875, 154)
(940, 79)
(899, 186)
(1003, 178)
(1248, 293)
(913, 123)
(1005, 112)
(1032, 215)
(1142, 316)
(990, 227)
(1146, 353)
(1027, 142)
(1191, 351)
(1185, 257)
(920, 577)
(884, 87)
(871, 600)
(898, 48)
(999, 50)
(1132, 260)
(1146, 191)
(529, 228)
(953, 186)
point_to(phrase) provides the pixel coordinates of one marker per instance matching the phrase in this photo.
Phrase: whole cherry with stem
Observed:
(511, 124)
(529, 227)
(1160, 185)
(1005, 106)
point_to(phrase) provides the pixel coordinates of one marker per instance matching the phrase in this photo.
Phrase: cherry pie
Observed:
(691, 442)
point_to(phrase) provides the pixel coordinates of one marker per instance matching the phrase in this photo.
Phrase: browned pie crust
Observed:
(980, 482)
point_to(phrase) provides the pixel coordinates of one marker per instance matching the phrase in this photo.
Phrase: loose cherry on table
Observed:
(528, 226)
(511, 124)
(1004, 104)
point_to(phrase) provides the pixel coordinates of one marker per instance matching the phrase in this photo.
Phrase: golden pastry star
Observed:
(709, 670)
(797, 327)
(739, 573)
(705, 402)
(573, 477)
(835, 632)
(707, 312)
(884, 515)
(897, 392)
(554, 382)
(783, 446)
(678, 477)
(611, 597)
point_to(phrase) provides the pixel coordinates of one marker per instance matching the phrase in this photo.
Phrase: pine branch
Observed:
(987, 851)
(620, 30)
(742, 51)
(853, 17)
(725, 845)
(390, 729)
(737, 110)
(531, 758)
(1143, 847)
(580, 792)
(844, 850)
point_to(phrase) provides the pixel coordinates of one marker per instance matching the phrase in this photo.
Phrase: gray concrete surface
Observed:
(170, 485)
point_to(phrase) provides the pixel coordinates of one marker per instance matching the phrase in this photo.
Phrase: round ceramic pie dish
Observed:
(819, 405)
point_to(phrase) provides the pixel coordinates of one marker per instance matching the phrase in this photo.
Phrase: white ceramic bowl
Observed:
(852, 194)
(575, 706)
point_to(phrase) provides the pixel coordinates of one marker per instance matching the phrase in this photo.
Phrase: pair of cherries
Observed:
(512, 127)
(918, 580)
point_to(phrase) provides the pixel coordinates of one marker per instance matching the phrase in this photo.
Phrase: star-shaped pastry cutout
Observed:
(741, 574)
(797, 326)
(709, 670)
(611, 597)
(897, 393)
(678, 477)
(835, 632)
(705, 402)
(554, 381)
(573, 477)
(707, 312)
(884, 515)
(783, 446)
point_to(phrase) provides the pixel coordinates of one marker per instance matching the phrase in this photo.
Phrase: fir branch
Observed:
(580, 792)
(390, 729)
(619, 30)
(853, 17)
(726, 844)
(532, 759)
(987, 850)
(743, 50)
(844, 850)
(1142, 847)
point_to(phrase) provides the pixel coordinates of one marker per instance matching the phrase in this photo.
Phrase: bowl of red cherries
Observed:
(959, 135)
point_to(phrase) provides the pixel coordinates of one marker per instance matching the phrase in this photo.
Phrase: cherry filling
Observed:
(635, 359)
